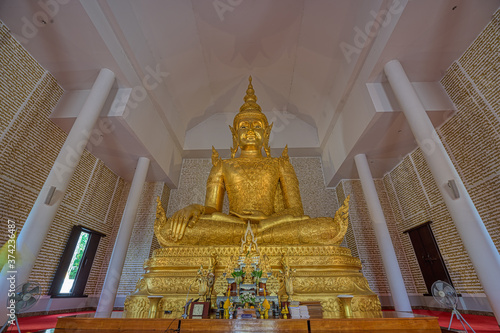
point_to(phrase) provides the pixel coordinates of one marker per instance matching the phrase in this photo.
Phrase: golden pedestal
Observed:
(322, 273)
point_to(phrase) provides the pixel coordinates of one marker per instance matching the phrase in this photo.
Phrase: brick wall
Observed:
(29, 144)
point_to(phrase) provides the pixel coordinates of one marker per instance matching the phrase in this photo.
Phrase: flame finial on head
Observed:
(250, 106)
(250, 99)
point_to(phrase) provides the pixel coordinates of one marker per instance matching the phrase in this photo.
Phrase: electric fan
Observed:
(446, 295)
(26, 296)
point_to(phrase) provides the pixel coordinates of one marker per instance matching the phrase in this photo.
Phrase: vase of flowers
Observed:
(247, 299)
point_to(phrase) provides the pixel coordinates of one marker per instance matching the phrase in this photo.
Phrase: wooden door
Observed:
(428, 255)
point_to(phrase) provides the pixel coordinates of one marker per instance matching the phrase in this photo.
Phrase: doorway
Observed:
(428, 255)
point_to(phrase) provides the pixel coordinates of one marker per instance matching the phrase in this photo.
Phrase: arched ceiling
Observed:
(186, 63)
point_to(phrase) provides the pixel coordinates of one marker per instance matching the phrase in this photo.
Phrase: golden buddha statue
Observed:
(264, 207)
(261, 189)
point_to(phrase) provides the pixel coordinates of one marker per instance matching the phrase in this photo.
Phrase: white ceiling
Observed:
(292, 48)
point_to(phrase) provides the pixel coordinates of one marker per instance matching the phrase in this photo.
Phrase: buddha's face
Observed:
(250, 131)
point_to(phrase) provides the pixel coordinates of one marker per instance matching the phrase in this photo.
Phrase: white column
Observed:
(37, 225)
(476, 239)
(110, 286)
(389, 259)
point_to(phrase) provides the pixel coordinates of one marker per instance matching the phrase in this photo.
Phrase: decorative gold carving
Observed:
(365, 304)
(171, 304)
(287, 275)
(341, 219)
(272, 285)
(169, 285)
(136, 307)
(331, 304)
(221, 285)
(343, 284)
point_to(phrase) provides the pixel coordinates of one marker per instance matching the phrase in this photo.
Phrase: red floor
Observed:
(481, 324)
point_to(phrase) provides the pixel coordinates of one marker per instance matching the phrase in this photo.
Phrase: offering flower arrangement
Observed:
(238, 276)
(257, 276)
(247, 298)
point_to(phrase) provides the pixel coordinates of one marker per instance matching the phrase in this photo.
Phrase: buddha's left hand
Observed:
(254, 216)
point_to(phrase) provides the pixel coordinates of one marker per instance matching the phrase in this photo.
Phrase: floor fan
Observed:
(446, 295)
(25, 297)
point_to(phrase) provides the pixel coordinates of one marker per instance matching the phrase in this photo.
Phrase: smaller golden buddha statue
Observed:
(263, 190)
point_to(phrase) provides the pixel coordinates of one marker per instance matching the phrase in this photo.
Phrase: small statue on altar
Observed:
(249, 245)
(285, 311)
(227, 305)
(265, 306)
(202, 278)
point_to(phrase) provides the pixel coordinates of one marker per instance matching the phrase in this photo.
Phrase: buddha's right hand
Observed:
(183, 218)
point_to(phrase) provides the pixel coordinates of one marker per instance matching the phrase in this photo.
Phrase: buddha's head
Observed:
(250, 129)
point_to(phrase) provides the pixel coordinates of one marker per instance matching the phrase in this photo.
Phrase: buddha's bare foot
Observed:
(217, 216)
(254, 216)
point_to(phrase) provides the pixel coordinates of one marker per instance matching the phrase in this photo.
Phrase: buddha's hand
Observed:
(255, 216)
(186, 217)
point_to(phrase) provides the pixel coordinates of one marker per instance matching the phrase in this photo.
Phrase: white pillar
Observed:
(37, 225)
(389, 259)
(110, 286)
(477, 241)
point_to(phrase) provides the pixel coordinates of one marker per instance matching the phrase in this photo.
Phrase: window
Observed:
(75, 264)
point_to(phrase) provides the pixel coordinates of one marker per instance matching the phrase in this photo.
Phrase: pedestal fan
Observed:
(446, 295)
(25, 297)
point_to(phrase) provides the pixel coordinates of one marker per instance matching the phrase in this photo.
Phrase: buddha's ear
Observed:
(267, 134)
(235, 146)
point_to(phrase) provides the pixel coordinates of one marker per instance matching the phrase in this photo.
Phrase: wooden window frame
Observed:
(85, 263)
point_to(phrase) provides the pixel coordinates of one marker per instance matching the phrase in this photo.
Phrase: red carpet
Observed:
(37, 323)
(481, 324)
